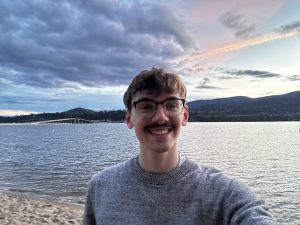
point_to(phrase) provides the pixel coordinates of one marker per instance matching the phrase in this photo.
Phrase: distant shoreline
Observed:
(275, 108)
(219, 121)
(37, 123)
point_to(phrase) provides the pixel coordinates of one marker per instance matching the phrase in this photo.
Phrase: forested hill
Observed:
(271, 108)
(284, 107)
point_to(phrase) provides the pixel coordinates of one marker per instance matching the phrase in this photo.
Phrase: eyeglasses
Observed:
(147, 107)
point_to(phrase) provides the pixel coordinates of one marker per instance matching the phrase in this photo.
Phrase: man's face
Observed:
(159, 132)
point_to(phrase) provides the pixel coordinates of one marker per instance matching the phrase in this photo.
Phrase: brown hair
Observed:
(156, 80)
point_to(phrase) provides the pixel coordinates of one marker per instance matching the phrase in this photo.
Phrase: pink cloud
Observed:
(203, 18)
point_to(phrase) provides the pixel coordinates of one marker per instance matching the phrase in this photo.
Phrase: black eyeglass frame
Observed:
(162, 102)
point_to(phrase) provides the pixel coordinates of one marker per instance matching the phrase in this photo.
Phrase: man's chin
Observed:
(160, 148)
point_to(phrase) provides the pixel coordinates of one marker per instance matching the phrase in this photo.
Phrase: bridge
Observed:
(67, 120)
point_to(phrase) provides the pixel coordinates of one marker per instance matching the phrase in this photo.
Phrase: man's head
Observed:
(156, 82)
(155, 102)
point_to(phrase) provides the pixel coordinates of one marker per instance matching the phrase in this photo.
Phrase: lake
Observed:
(57, 160)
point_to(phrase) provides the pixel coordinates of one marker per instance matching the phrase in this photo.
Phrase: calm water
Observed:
(58, 160)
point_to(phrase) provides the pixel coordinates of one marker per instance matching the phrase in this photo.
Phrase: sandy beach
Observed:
(17, 209)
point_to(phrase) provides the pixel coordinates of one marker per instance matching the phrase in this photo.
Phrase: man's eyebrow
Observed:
(149, 99)
(144, 99)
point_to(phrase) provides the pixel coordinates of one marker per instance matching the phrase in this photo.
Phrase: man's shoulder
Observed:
(207, 171)
(213, 173)
(215, 182)
(215, 179)
(115, 171)
(212, 177)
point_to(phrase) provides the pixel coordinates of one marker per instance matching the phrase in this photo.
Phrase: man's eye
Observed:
(173, 105)
(145, 106)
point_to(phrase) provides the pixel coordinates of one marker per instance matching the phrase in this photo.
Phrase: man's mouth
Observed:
(159, 131)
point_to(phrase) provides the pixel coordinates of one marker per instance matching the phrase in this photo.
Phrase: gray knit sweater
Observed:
(191, 194)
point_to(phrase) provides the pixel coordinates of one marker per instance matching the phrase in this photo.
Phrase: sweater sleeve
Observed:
(244, 208)
(89, 213)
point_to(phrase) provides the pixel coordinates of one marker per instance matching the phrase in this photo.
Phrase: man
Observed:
(159, 186)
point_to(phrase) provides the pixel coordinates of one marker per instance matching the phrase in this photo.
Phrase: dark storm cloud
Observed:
(250, 73)
(94, 43)
(207, 87)
(290, 27)
(244, 27)
(203, 85)
(27, 100)
(228, 78)
(204, 81)
(293, 78)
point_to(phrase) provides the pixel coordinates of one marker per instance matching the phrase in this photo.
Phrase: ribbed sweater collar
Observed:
(160, 178)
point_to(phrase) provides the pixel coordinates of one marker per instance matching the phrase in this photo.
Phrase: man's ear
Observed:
(128, 119)
(185, 115)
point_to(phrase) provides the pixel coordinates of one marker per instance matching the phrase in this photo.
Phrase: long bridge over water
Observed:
(67, 120)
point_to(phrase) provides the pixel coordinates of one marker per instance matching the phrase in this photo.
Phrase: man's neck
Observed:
(159, 162)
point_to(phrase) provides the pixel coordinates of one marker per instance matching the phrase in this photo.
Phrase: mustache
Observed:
(159, 125)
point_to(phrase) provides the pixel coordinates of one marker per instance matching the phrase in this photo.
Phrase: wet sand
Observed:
(16, 209)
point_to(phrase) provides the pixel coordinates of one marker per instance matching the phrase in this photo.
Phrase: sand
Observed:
(17, 209)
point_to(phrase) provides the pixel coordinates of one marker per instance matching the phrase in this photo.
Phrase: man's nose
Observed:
(160, 115)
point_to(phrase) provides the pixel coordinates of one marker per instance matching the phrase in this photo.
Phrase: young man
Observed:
(159, 186)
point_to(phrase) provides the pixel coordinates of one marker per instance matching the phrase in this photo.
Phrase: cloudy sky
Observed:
(58, 55)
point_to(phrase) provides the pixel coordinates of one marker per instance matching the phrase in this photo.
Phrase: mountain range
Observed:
(281, 107)
(276, 104)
